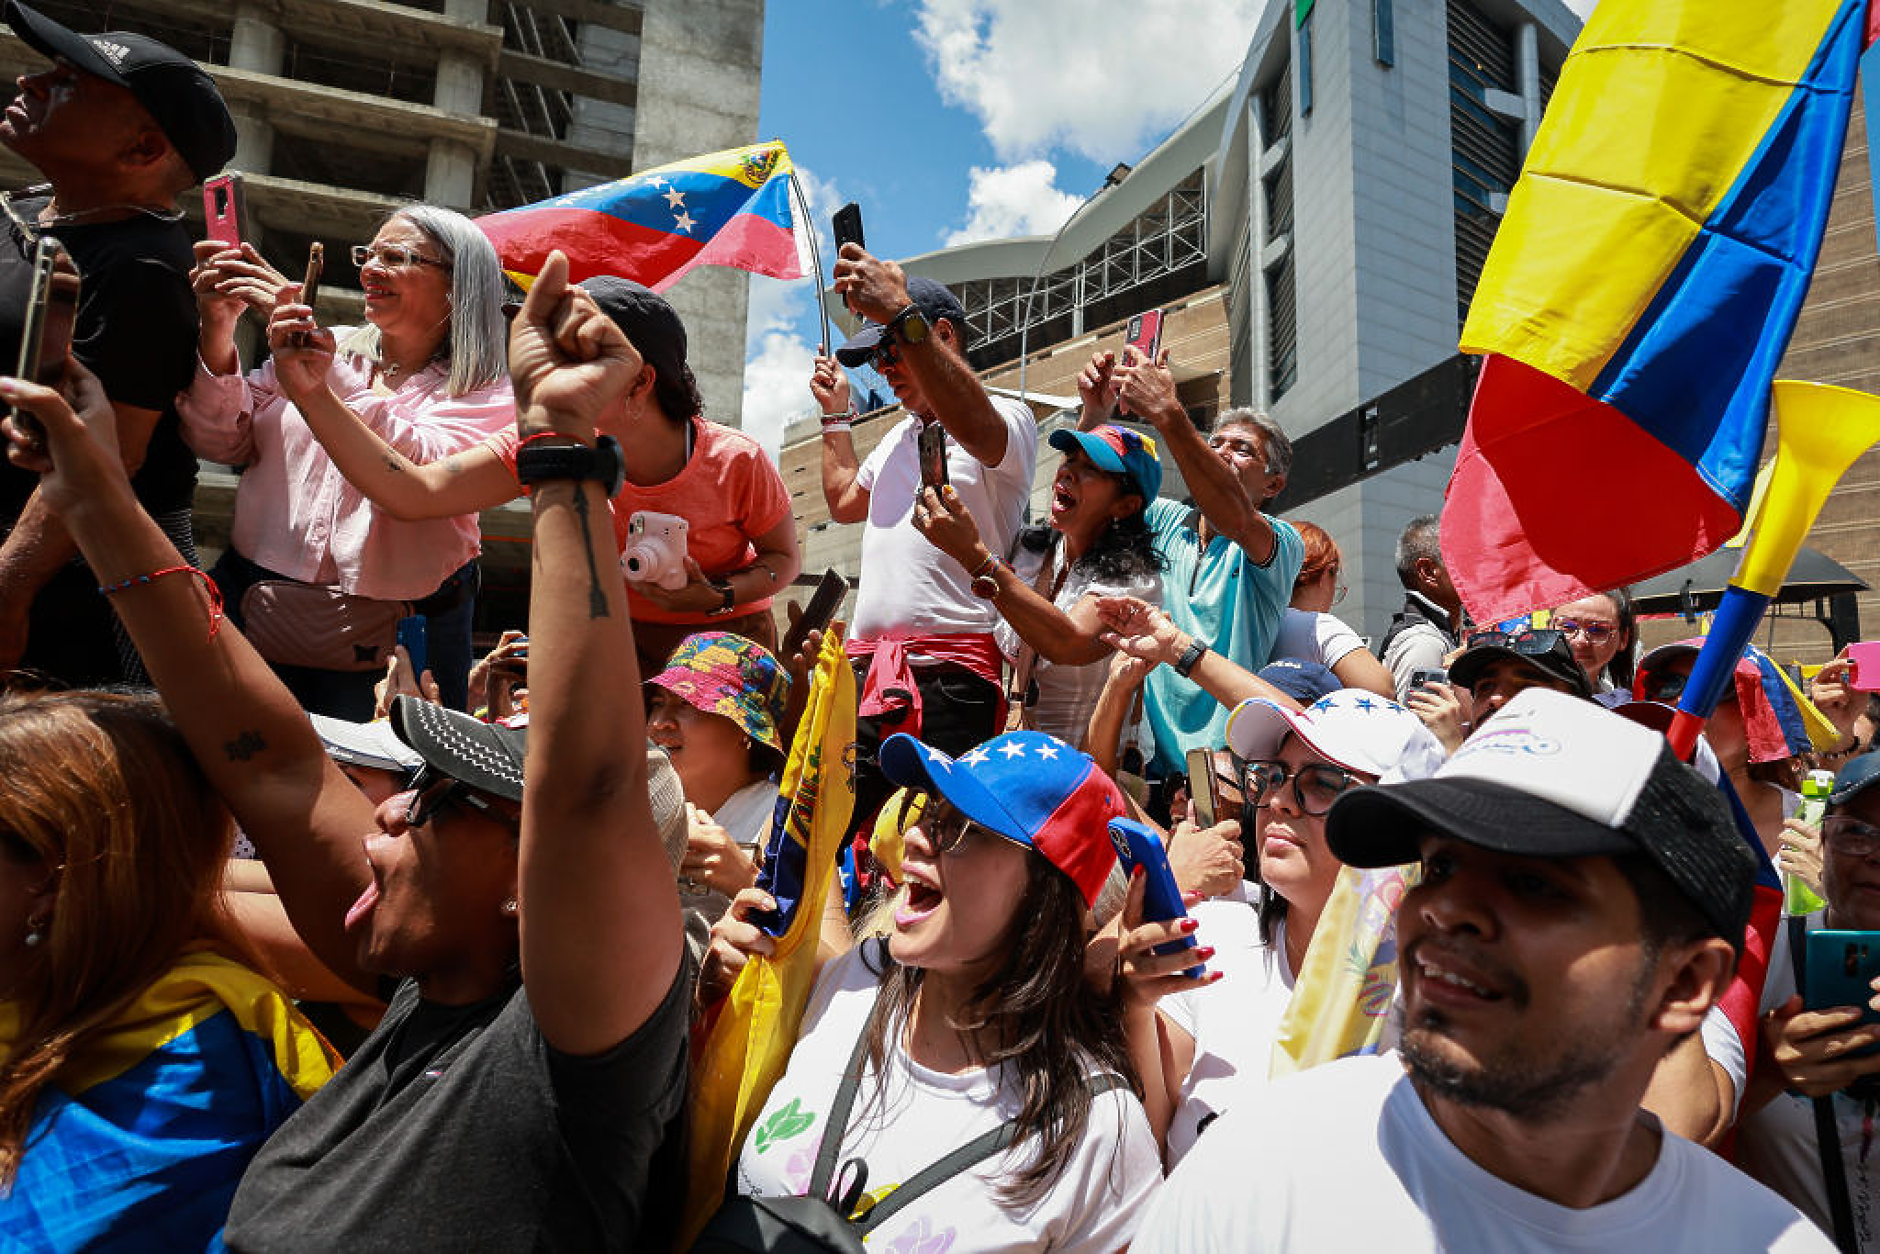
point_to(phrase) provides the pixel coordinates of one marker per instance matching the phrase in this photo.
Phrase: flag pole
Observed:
(815, 254)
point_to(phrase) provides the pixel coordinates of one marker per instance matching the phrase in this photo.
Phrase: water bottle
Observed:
(1797, 897)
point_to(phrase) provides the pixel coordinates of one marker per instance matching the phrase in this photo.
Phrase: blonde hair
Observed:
(101, 791)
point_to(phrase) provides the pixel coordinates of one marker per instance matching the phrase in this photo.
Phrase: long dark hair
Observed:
(678, 398)
(1624, 664)
(1122, 551)
(1037, 1013)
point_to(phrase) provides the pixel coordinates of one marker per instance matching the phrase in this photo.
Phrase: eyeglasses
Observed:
(1315, 785)
(432, 792)
(394, 255)
(1668, 686)
(1850, 837)
(1594, 633)
(1531, 642)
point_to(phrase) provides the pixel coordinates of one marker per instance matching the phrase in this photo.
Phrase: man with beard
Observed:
(1582, 902)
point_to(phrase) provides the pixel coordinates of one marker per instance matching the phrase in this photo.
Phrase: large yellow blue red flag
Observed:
(750, 1040)
(143, 1136)
(1640, 291)
(727, 208)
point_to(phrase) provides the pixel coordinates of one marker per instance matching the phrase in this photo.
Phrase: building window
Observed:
(1383, 33)
(1282, 341)
(1486, 158)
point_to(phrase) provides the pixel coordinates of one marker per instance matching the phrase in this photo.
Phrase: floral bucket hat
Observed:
(723, 674)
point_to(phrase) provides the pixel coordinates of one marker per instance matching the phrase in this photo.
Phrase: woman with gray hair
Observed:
(315, 573)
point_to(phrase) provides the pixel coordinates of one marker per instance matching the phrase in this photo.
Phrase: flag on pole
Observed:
(1641, 290)
(727, 208)
(749, 1042)
(1342, 998)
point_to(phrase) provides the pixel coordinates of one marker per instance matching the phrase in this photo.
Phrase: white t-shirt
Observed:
(1346, 1157)
(1067, 695)
(1233, 1022)
(1313, 637)
(1094, 1204)
(1777, 1144)
(909, 587)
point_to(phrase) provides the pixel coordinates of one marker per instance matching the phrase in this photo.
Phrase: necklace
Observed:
(40, 223)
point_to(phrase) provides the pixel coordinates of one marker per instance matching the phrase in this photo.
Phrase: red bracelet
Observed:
(215, 593)
(546, 435)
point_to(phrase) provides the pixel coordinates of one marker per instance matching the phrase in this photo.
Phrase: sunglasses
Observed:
(393, 255)
(1595, 633)
(433, 793)
(945, 826)
(886, 353)
(1846, 835)
(1529, 642)
(1315, 785)
(1668, 687)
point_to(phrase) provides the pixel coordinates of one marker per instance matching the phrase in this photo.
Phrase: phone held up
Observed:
(46, 328)
(1139, 846)
(310, 285)
(1864, 674)
(822, 607)
(1840, 971)
(1201, 788)
(1421, 678)
(1144, 334)
(225, 209)
(846, 224)
(933, 456)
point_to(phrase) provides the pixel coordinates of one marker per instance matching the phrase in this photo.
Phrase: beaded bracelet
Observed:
(215, 593)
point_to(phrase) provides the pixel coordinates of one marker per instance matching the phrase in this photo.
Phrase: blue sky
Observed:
(951, 120)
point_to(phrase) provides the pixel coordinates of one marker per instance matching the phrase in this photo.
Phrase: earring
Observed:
(509, 907)
(35, 932)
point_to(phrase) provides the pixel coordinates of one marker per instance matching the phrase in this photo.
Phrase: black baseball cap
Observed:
(1855, 778)
(647, 318)
(173, 89)
(935, 302)
(1553, 776)
(486, 756)
(1547, 650)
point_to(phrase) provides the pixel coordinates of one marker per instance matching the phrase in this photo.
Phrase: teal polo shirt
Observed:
(1224, 599)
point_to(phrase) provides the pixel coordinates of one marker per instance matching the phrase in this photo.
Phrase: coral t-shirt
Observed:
(729, 492)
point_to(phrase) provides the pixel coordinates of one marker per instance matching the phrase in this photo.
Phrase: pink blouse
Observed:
(295, 513)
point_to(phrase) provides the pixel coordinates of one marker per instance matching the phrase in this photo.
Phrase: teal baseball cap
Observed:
(1117, 451)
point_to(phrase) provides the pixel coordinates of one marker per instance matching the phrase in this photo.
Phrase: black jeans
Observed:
(958, 710)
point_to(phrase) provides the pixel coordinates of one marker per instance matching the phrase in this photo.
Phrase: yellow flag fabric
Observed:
(750, 1041)
(1341, 999)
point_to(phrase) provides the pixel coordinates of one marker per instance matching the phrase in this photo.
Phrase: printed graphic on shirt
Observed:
(786, 1122)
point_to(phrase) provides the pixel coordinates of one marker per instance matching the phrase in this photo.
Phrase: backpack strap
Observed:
(1827, 1135)
(966, 1156)
(838, 1122)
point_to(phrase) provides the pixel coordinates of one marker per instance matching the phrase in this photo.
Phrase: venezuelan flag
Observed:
(141, 1140)
(1640, 291)
(748, 1044)
(727, 208)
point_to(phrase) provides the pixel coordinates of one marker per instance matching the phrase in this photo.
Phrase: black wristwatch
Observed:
(723, 588)
(910, 325)
(1192, 654)
(601, 463)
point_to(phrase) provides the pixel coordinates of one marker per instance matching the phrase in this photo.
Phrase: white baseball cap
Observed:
(1355, 728)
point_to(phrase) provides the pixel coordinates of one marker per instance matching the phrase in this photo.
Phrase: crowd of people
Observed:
(294, 956)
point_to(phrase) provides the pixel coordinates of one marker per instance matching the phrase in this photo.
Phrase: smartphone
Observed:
(46, 328)
(1138, 846)
(1427, 678)
(310, 285)
(224, 209)
(1864, 674)
(1840, 971)
(933, 456)
(1201, 787)
(823, 603)
(846, 222)
(1145, 334)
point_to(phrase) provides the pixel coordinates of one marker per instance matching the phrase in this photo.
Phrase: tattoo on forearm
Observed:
(597, 595)
(245, 746)
(393, 464)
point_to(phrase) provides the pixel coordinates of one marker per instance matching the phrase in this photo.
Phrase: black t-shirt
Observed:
(136, 331)
(459, 1128)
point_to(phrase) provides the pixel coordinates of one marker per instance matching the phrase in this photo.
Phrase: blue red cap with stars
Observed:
(1028, 787)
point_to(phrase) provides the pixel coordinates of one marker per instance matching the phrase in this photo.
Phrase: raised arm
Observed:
(253, 740)
(877, 290)
(1147, 390)
(601, 933)
(1135, 627)
(847, 499)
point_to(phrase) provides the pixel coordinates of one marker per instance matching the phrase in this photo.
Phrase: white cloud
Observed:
(1020, 199)
(1582, 9)
(1101, 77)
(777, 359)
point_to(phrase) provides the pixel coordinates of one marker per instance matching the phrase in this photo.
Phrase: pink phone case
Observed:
(1865, 675)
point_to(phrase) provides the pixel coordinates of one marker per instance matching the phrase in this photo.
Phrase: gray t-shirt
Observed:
(459, 1127)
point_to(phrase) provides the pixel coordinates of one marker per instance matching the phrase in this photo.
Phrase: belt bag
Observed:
(314, 625)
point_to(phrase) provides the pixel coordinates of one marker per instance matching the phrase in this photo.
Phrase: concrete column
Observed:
(1527, 69)
(256, 44)
(450, 170)
(1262, 337)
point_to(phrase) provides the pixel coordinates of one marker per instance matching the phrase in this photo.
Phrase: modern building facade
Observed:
(1316, 229)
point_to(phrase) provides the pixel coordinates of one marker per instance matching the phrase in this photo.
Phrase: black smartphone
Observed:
(846, 222)
(46, 329)
(1421, 678)
(933, 456)
(1201, 788)
(823, 604)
